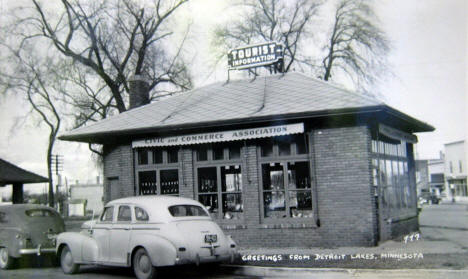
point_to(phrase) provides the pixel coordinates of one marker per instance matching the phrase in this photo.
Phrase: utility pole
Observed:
(57, 165)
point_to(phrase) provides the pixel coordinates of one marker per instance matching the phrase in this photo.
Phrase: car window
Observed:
(39, 213)
(3, 217)
(125, 214)
(108, 214)
(187, 210)
(140, 214)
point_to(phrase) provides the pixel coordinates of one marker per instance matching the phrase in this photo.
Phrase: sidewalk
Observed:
(440, 248)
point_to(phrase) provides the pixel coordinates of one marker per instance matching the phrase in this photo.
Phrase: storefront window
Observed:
(234, 152)
(172, 155)
(147, 183)
(294, 201)
(231, 187)
(208, 189)
(142, 157)
(202, 153)
(218, 152)
(394, 179)
(157, 156)
(230, 191)
(169, 182)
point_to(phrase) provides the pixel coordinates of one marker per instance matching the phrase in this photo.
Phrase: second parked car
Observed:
(27, 229)
(147, 232)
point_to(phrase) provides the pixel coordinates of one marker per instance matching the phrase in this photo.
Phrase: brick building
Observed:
(279, 161)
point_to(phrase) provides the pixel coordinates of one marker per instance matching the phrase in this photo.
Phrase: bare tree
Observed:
(115, 39)
(356, 45)
(32, 78)
(285, 22)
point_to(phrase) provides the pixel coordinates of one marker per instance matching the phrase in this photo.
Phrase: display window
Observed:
(219, 180)
(391, 174)
(286, 182)
(157, 171)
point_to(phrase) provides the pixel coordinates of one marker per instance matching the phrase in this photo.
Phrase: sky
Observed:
(429, 82)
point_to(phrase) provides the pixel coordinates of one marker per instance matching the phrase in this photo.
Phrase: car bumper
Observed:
(38, 250)
(224, 258)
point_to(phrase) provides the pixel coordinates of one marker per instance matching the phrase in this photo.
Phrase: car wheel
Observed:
(67, 263)
(142, 265)
(6, 262)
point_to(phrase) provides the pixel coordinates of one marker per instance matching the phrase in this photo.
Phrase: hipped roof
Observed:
(10, 174)
(270, 98)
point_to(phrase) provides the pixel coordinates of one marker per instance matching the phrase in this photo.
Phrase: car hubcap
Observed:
(144, 264)
(67, 259)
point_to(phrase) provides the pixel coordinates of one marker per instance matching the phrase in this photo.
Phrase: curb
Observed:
(291, 272)
(444, 227)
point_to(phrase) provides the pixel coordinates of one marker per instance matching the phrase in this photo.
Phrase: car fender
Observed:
(8, 239)
(161, 251)
(83, 247)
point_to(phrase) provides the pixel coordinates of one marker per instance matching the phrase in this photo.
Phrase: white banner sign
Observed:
(243, 134)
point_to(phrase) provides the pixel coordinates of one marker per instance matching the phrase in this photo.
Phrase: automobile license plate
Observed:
(210, 238)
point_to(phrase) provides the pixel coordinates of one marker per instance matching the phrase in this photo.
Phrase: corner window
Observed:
(108, 214)
(140, 214)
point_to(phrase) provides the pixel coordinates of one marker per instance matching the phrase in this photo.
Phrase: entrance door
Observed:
(113, 188)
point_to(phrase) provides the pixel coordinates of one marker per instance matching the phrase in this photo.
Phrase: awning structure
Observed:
(222, 136)
(397, 134)
(16, 176)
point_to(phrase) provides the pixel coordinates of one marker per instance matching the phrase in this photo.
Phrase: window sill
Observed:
(233, 227)
(288, 226)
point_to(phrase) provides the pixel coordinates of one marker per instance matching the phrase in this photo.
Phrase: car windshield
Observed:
(39, 213)
(187, 210)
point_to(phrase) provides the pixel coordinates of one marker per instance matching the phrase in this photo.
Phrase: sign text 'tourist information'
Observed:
(254, 55)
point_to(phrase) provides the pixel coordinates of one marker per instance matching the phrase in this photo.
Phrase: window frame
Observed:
(158, 167)
(283, 160)
(218, 164)
(104, 212)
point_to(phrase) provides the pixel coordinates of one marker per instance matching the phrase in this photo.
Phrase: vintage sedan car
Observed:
(146, 232)
(27, 229)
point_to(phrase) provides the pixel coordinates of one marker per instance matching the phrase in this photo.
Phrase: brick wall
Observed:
(118, 172)
(341, 163)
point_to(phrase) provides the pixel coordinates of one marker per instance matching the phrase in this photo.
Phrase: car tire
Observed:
(67, 263)
(142, 265)
(6, 262)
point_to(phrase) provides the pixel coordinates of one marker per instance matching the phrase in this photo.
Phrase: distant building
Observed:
(422, 177)
(436, 175)
(455, 171)
(86, 197)
(430, 177)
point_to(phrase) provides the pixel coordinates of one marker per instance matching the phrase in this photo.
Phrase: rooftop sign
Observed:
(255, 55)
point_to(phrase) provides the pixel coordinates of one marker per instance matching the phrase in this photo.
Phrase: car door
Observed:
(120, 235)
(102, 233)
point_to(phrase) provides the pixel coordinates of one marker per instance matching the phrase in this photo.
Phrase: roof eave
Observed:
(100, 137)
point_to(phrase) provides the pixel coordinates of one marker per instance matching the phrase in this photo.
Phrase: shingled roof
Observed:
(10, 174)
(263, 98)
